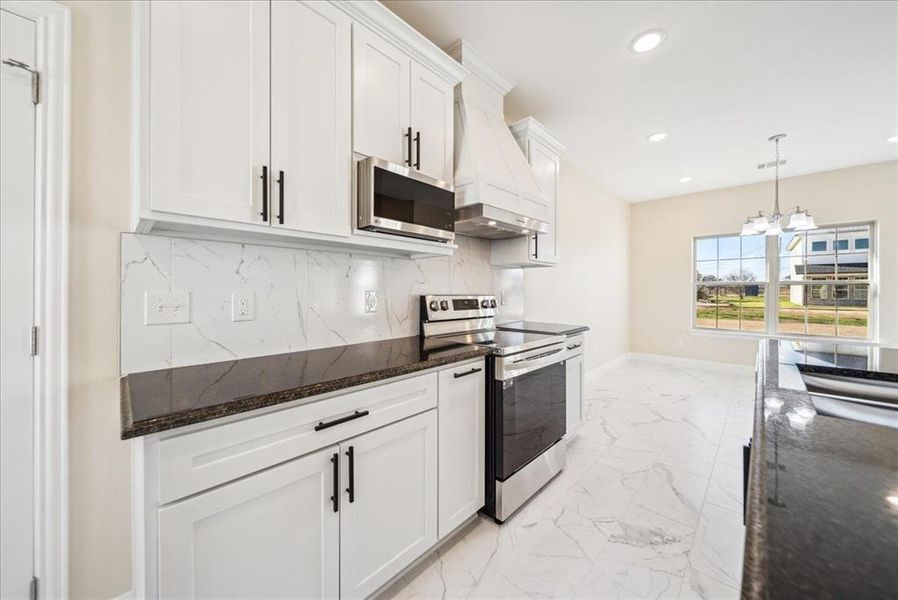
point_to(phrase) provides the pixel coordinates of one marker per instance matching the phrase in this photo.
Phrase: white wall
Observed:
(99, 473)
(590, 285)
(661, 250)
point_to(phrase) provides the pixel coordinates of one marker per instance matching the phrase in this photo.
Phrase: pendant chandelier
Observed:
(774, 223)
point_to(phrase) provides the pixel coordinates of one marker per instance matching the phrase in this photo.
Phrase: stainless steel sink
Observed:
(860, 398)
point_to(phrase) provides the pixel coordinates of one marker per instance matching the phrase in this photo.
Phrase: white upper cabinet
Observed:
(209, 107)
(431, 122)
(272, 535)
(402, 109)
(462, 444)
(545, 165)
(392, 517)
(311, 78)
(380, 97)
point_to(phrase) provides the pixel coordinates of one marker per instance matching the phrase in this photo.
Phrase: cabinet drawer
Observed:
(574, 345)
(196, 461)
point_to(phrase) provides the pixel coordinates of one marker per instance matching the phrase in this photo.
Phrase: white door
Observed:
(431, 119)
(544, 165)
(209, 107)
(311, 115)
(380, 91)
(272, 535)
(462, 413)
(17, 150)
(393, 516)
(574, 393)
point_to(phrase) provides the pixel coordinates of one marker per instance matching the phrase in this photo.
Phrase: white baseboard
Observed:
(695, 363)
(606, 366)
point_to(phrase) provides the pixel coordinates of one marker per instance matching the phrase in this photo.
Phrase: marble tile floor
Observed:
(649, 505)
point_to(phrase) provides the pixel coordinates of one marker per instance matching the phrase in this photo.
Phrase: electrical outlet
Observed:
(166, 308)
(370, 301)
(243, 305)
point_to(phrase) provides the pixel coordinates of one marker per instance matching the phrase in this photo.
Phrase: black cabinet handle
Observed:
(357, 415)
(575, 346)
(535, 245)
(466, 373)
(351, 489)
(418, 150)
(336, 497)
(746, 468)
(408, 134)
(281, 197)
(264, 179)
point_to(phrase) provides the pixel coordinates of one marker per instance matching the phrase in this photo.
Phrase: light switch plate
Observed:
(166, 308)
(370, 301)
(243, 305)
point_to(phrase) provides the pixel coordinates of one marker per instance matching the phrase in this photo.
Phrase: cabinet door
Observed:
(545, 165)
(272, 535)
(431, 118)
(392, 519)
(380, 97)
(574, 392)
(311, 155)
(209, 107)
(462, 414)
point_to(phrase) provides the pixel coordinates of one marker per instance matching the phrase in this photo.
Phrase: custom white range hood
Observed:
(496, 194)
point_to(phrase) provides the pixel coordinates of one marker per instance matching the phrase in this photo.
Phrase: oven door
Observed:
(400, 200)
(530, 416)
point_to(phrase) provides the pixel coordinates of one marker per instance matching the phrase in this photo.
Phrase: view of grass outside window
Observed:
(731, 282)
(825, 293)
(822, 285)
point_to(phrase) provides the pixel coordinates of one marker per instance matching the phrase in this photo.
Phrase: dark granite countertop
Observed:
(155, 401)
(547, 328)
(819, 524)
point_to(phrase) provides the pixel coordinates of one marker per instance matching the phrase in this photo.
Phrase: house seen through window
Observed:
(821, 283)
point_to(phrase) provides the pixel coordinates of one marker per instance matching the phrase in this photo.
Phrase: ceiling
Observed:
(728, 75)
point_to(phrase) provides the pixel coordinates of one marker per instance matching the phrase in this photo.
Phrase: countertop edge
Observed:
(131, 430)
(754, 563)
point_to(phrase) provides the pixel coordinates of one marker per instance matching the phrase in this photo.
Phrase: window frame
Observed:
(773, 283)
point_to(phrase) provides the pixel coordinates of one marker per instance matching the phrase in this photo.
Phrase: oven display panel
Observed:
(465, 304)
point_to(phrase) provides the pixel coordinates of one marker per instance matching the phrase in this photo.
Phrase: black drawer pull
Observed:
(351, 489)
(357, 415)
(466, 373)
(336, 497)
(575, 346)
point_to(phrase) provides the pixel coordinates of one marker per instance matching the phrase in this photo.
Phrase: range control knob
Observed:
(484, 303)
(493, 303)
(444, 305)
(434, 305)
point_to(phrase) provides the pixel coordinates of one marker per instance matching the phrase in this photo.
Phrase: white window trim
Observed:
(773, 282)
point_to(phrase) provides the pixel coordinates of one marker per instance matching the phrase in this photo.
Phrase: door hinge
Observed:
(35, 77)
(32, 589)
(34, 340)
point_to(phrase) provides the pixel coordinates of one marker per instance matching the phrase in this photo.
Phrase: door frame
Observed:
(52, 119)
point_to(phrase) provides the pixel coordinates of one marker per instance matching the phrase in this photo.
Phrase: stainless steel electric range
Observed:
(525, 403)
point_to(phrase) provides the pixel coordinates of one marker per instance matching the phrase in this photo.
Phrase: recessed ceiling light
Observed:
(657, 137)
(648, 41)
(686, 179)
(893, 139)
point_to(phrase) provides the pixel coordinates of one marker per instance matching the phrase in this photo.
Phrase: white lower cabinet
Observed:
(271, 535)
(462, 444)
(392, 519)
(575, 375)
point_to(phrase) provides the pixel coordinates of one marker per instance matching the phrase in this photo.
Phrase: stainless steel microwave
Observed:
(400, 200)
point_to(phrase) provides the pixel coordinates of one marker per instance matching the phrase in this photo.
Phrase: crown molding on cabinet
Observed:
(391, 27)
(474, 62)
(530, 127)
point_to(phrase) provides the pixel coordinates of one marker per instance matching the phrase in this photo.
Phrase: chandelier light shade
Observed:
(774, 223)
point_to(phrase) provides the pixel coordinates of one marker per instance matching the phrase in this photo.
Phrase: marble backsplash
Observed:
(303, 298)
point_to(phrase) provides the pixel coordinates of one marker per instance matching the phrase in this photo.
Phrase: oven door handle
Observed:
(521, 366)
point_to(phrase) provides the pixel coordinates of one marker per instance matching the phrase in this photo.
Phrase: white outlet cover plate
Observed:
(243, 306)
(370, 301)
(166, 308)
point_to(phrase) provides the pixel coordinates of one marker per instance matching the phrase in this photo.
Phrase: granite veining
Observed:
(159, 400)
(819, 524)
